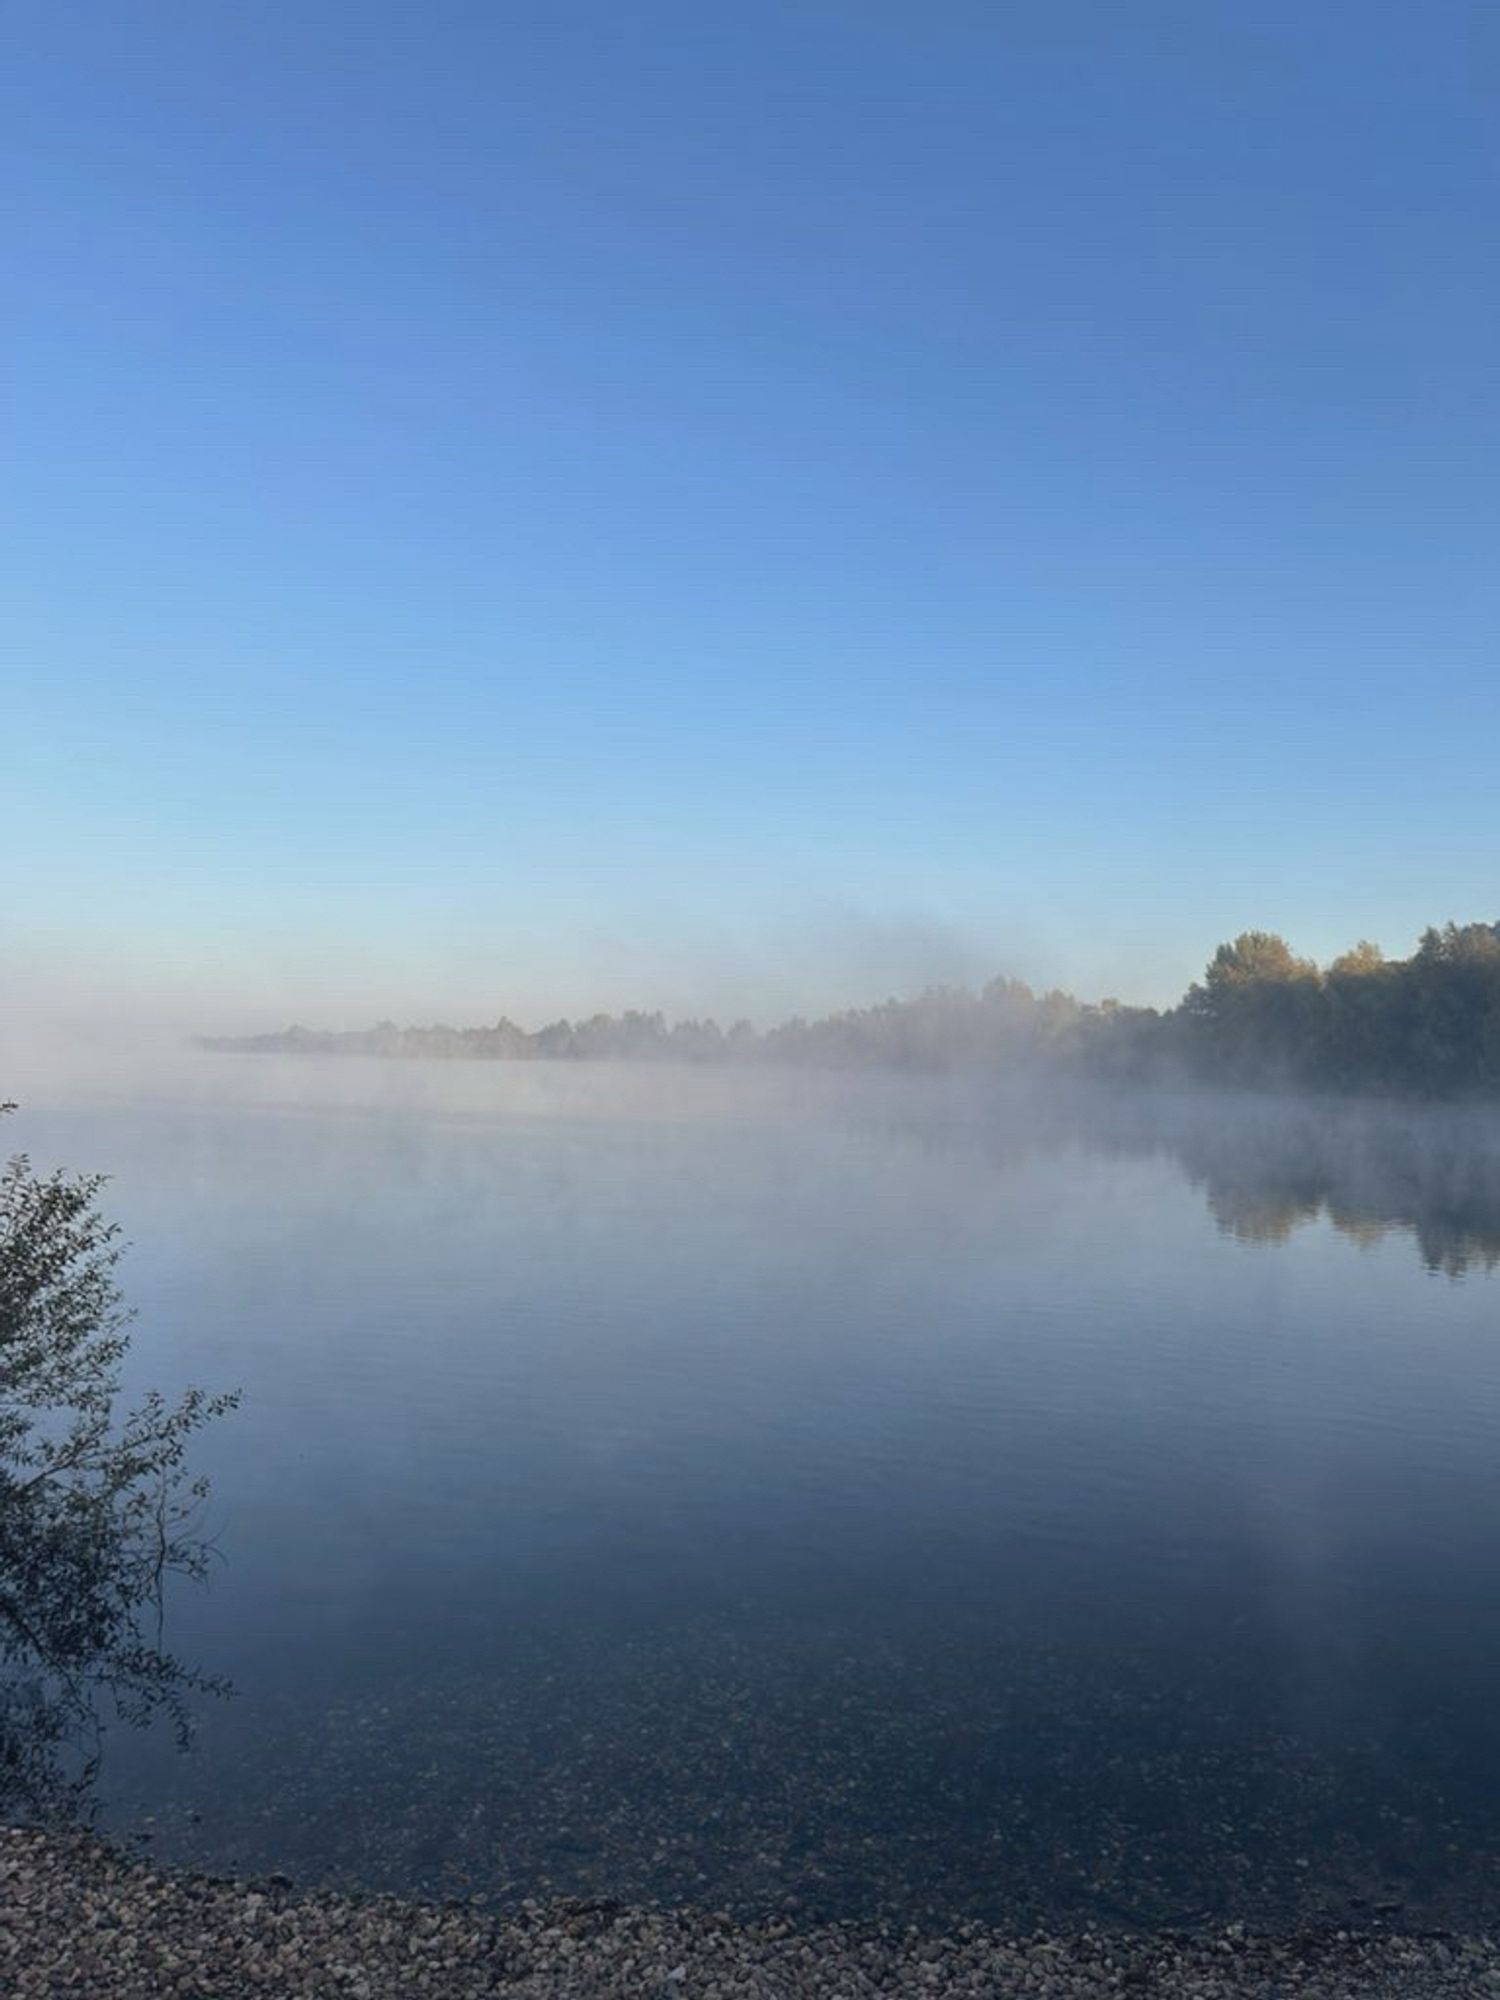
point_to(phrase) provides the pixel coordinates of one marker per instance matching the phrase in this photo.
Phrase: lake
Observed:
(859, 1496)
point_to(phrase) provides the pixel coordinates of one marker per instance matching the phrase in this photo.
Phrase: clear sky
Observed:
(534, 507)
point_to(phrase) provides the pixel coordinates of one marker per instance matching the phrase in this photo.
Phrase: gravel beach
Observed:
(79, 1918)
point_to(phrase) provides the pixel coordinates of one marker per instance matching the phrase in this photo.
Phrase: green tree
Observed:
(1453, 1004)
(1254, 958)
(97, 1508)
(1361, 961)
(1259, 1015)
(1365, 1020)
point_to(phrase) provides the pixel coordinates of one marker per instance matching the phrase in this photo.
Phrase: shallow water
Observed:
(849, 1495)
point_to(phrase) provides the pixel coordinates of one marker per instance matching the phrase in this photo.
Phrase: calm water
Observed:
(842, 1495)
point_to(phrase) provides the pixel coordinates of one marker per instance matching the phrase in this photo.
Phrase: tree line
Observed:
(1428, 1024)
(1260, 1017)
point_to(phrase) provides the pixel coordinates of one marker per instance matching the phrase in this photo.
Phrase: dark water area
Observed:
(848, 1496)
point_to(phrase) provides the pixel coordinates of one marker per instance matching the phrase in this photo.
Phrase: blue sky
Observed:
(535, 507)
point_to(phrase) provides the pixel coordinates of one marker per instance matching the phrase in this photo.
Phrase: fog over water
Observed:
(722, 820)
(849, 1493)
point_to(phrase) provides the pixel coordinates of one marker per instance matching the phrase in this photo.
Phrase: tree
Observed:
(1258, 1016)
(1253, 957)
(1366, 1028)
(1453, 988)
(97, 1509)
(1362, 961)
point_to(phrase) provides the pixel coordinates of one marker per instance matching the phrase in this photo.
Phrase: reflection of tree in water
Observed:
(1268, 1166)
(1270, 1170)
(96, 1511)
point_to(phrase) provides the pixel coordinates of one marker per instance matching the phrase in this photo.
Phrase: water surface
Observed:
(847, 1495)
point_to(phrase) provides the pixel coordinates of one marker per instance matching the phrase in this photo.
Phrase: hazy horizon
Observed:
(85, 1024)
(738, 514)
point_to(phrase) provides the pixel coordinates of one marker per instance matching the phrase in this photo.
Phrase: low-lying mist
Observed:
(1261, 1017)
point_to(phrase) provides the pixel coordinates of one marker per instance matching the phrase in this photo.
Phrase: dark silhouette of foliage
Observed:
(1428, 1025)
(96, 1507)
(1261, 1017)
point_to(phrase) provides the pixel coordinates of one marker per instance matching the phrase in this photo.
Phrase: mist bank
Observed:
(1261, 1017)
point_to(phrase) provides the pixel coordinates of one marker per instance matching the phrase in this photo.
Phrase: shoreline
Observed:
(78, 1916)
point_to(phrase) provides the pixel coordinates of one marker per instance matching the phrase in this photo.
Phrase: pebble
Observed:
(80, 1917)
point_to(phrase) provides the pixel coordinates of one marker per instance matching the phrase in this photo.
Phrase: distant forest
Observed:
(1428, 1025)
